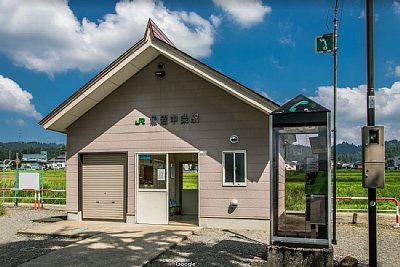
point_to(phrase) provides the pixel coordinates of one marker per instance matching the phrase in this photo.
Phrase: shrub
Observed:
(2, 210)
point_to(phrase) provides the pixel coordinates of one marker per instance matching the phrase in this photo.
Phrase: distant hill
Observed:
(346, 152)
(392, 148)
(351, 153)
(52, 149)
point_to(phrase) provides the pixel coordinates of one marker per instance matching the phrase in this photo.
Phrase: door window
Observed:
(152, 171)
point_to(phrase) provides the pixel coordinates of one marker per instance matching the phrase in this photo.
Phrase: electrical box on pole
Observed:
(373, 157)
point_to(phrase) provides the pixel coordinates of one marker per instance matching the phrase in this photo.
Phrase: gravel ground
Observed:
(207, 247)
(217, 247)
(353, 239)
(16, 249)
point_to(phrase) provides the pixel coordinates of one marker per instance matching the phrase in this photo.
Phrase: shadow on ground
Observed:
(113, 247)
(18, 252)
(234, 249)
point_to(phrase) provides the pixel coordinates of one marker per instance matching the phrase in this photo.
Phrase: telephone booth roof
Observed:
(300, 111)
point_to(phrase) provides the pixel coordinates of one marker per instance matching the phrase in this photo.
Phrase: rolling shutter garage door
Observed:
(103, 186)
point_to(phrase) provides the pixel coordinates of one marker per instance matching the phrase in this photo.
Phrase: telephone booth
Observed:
(301, 197)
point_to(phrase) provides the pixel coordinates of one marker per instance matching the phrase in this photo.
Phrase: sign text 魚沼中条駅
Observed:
(170, 119)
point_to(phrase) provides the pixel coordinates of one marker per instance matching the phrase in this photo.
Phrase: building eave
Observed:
(132, 61)
(100, 86)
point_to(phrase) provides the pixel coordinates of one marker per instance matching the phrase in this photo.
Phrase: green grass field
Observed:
(348, 184)
(50, 179)
(190, 180)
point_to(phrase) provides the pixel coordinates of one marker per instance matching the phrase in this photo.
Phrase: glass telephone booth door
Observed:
(301, 178)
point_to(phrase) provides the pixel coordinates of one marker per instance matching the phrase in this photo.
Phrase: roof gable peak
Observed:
(154, 32)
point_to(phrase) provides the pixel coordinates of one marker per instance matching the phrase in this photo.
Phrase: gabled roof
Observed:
(153, 44)
(300, 104)
(155, 32)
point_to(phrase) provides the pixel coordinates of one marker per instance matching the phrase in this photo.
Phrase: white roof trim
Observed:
(108, 83)
(144, 54)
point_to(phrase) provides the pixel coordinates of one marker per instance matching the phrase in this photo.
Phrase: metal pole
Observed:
(335, 48)
(16, 180)
(373, 255)
(41, 184)
(4, 178)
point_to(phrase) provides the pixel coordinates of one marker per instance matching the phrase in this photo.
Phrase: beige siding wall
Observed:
(110, 126)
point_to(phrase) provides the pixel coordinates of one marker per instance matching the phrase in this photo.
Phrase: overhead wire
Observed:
(341, 15)
(326, 21)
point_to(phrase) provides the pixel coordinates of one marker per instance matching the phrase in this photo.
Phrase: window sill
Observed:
(234, 185)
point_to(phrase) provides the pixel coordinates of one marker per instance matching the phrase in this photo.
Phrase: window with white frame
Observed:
(234, 165)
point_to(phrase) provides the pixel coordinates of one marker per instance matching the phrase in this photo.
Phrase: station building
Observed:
(159, 136)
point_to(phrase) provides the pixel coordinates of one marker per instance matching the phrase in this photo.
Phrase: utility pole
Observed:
(335, 48)
(328, 43)
(373, 255)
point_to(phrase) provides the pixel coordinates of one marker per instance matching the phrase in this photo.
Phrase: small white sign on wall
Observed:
(161, 174)
(29, 180)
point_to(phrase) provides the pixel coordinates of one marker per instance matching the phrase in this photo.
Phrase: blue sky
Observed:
(49, 49)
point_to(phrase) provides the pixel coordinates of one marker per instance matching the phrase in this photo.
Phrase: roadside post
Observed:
(327, 43)
(373, 143)
(17, 162)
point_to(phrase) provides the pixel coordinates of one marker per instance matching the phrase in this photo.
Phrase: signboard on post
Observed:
(29, 180)
(324, 43)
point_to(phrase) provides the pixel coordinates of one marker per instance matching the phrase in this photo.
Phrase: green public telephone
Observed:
(317, 183)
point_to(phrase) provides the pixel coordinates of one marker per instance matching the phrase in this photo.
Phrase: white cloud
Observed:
(392, 69)
(287, 40)
(18, 122)
(396, 7)
(14, 99)
(362, 14)
(245, 13)
(397, 71)
(275, 62)
(265, 94)
(352, 106)
(46, 36)
(285, 29)
(216, 21)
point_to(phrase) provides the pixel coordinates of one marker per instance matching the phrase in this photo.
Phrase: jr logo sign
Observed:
(140, 121)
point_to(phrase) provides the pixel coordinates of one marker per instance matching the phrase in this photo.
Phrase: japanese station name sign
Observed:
(164, 120)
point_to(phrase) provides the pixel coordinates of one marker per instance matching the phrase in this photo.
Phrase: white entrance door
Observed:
(152, 188)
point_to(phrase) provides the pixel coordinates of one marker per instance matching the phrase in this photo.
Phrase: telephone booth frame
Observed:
(304, 125)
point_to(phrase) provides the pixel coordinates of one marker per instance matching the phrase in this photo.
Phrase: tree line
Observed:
(11, 148)
(346, 152)
(352, 153)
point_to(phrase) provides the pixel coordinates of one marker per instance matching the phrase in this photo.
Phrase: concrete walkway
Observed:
(108, 243)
